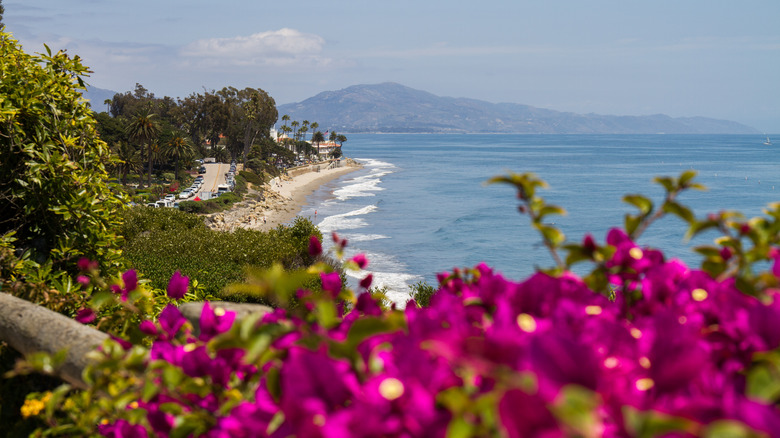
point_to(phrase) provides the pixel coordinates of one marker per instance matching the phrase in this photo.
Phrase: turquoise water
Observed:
(420, 205)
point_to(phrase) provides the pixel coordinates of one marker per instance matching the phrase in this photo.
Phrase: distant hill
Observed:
(390, 107)
(96, 97)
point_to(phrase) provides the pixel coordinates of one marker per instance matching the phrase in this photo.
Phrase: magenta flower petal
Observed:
(366, 282)
(83, 264)
(171, 320)
(360, 260)
(315, 247)
(85, 316)
(178, 285)
(148, 328)
(131, 280)
(331, 282)
(83, 280)
(213, 323)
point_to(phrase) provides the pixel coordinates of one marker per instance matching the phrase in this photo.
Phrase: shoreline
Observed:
(284, 198)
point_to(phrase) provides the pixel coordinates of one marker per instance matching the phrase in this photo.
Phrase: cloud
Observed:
(276, 48)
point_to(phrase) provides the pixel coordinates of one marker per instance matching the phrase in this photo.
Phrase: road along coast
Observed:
(281, 200)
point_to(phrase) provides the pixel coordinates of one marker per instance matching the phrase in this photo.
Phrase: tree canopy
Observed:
(56, 203)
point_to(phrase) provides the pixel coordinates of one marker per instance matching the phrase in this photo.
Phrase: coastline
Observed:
(283, 198)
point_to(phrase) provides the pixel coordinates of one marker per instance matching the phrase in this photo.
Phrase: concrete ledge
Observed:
(30, 328)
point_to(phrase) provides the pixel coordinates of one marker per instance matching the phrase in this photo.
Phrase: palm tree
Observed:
(314, 126)
(295, 125)
(156, 153)
(341, 139)
(304, 129)
(178, 148)
(333, 136)
(144, 129)
(130, 160)
(285, 118)
(220, 154)
(317, 138)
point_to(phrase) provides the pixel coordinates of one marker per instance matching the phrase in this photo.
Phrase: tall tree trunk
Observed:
(149, 176)
(141, 172)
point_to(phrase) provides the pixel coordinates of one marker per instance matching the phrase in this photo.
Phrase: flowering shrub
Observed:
(642, 346)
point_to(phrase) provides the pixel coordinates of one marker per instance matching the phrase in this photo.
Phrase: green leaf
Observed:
(679, 210)
(666, 182)
(172, 376)
(551, 209)
(644, 204)
(729, 429)
(577, 407)
(632, 223)
(650, 424)
(551, 234)
(366, 327)
(460, 428)
(686, 177)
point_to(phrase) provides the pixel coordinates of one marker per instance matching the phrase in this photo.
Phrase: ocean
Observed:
(420, 205)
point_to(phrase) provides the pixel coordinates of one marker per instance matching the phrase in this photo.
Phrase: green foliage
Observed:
(252, 177)
(422, 293)
(53, 194)
(160, 241)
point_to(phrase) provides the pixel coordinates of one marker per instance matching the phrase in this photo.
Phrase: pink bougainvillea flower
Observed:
(588, 244)
(171, 320)
(214, 321)
(115, 288)
(131, 280)
(331, 282)
(360, 260)
(122, 429)
(312, 385)
(366, 304)
(524, 415)
(148, 327)
(85, 316)
(178, 285)
(83, 280)
(85, 264)
(366, 282)
(315, 247)
(338, 241)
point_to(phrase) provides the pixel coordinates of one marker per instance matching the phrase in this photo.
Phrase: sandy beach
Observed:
(282, 200)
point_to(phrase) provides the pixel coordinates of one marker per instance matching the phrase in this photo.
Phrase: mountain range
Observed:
(394, 108)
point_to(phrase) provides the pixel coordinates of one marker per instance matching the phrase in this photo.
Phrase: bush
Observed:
(422, 293)
(160, 241)
(56, 204)
(252, 177)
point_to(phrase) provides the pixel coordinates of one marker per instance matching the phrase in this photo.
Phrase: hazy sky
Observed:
(712, 58)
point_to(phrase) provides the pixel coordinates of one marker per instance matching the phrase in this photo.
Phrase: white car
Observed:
(170, 197)
(185, 194)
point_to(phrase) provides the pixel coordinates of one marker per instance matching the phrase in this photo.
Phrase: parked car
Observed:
(185, 194)
(202, 169)
(170, 197)
(151, 204)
